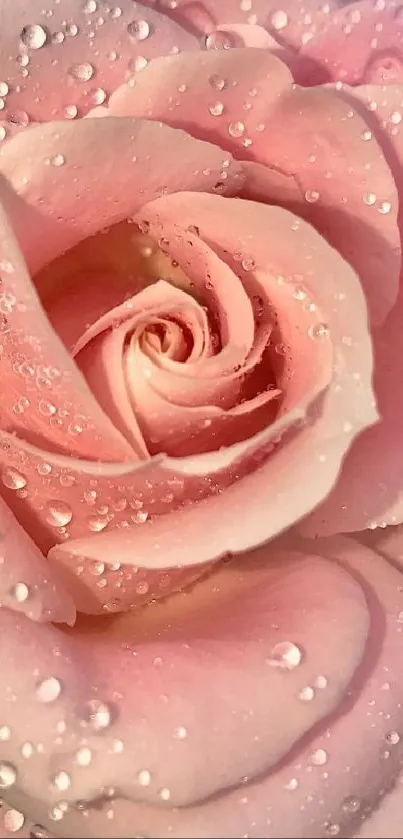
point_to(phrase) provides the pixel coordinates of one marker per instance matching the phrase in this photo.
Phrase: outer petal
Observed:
(62, 198)
(246, 102)
(320, 788)
(362, 42)
(370, 488)
(149, 730)
(27, 582)
(61, 65)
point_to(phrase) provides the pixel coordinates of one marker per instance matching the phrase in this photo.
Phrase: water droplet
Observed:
(292, 784)
(4, 88)
(97, 96)
(21, 592)
(236, 129)
(89, 7)
(142, 587)
(5, 732)
(70, 112)
(312, 196)
(369, 198)
(384, 207)
(332, 829)
(13, 479)
(321, 682)
(139, 63)
(8, 775)
(217, 82)
(319, 757)
(38, 832)
(13, 820)
(180, 732)
(82, 72)
(97, 714)
(27, 750)
(392, 737)
(62, 780)
(58, 513)
(279, 20)
(57, 160)
(285, 655)
(165, 793)
(217, 109)
(218, 40)
(84, 756)
(49, 689)
(318, 330)
(248, 264)
(144, 777)
(351, 804)
(138, 29)
(33, 36)
(306, 694)
(96, 524)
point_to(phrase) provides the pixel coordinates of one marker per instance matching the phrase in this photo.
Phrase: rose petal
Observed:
(48, 401)
(337, 169)
(143, 693)
(361, 42)
(27, 582)
(369, 490)
(60, 66)
(320, 788)
(61, 197)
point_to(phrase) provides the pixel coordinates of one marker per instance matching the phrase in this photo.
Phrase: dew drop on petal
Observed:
(62, 780)
(13, 820)
(180, 732)
(392, 737)
(285, 655)
(97, 715)
(33, 36)
(49, 689)
(351, 804)
(144, 777)
(218, 40)
(236, 129)
(8, 775)
(216, 109)
(20, 592)
(279, 20)
(82, 72)
(12, 479)
(138, 29)
(58, 513)
(84, 756)
(306, 694)
(319, 757)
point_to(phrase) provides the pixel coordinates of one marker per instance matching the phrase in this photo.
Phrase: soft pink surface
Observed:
(160, 416)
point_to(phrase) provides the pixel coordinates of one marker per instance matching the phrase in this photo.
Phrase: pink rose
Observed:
(201, 365)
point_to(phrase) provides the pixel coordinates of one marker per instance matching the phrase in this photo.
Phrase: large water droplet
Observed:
(138, 29)
(49, 689)
(33, 36)
(351, 804)
(13, 820)
(219, 40)
(279, 20)
(285, 655)
(58, 513)
(306, 694)
(97, 715)
(20, 592)
(319, 757)
(8, 775)
(82, 72)
(12, 479)
(62, 780)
